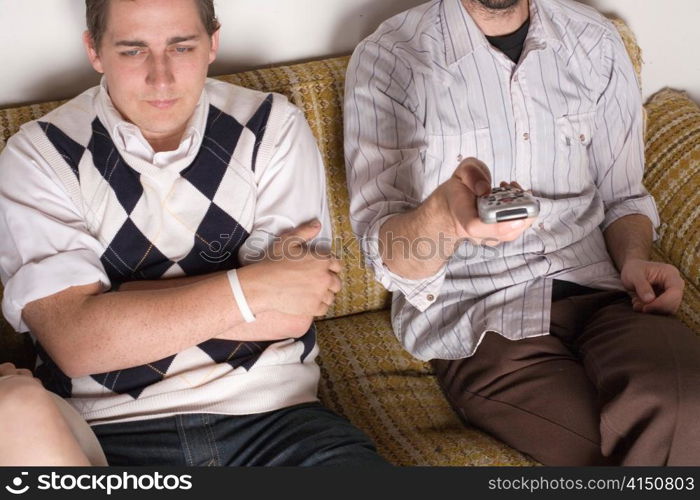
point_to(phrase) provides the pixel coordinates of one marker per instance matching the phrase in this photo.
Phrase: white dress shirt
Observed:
(427, 90)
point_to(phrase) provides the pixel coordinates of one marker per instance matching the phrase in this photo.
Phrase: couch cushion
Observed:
(673, 178)
(395, 399)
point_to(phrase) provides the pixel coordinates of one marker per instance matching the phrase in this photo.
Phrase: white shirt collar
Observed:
(129, 140)
(463, 36)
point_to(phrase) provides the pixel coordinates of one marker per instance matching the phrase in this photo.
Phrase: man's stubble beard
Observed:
(497, 4)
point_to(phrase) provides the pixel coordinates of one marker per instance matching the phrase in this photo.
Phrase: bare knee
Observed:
(21, 396)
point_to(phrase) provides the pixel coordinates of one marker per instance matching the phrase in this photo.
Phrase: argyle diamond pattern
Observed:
(209, 217)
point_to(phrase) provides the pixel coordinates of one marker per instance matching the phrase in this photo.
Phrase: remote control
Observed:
(504, 204)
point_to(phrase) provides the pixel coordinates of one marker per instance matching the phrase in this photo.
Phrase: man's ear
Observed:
(214, 46)
(92, 53)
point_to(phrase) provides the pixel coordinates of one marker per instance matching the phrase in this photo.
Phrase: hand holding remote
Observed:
(507, 203)
(457, 199)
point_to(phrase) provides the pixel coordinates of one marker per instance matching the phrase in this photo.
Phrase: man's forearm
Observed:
(269, 325)
(629, 237)
(164, 284)
(97, 333)
(417, 244)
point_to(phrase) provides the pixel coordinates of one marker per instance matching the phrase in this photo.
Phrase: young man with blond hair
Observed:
(141, 253)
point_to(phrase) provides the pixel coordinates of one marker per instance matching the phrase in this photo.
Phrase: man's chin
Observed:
(161, 126)
(157, 119)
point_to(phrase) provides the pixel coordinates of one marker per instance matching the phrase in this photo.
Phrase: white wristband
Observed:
(242, 303)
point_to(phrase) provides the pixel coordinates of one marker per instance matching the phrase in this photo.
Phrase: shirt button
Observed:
(460, 158)
(526, 136)
(541, 225)
(430, 297)
(582, 137)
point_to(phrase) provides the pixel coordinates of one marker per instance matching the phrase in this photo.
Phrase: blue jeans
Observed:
(301, 435)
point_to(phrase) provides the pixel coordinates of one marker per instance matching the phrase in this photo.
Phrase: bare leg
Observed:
(33, 431)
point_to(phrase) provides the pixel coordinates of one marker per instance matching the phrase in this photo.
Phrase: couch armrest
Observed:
(673, 177)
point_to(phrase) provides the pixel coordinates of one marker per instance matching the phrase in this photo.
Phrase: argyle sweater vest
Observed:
(155, 225)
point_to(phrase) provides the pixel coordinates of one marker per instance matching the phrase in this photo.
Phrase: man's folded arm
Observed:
(54, 284)
(87, 331)
(268, 325)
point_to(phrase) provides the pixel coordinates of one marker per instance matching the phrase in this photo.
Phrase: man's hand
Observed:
(470, 180)
(655, 287)
(294, 279)
(447, 217)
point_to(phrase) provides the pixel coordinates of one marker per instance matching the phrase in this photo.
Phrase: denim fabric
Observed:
(302, 435)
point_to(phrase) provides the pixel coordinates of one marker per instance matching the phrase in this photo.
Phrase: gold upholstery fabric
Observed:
(673, 178)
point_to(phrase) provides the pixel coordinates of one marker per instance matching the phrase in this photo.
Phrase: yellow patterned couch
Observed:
(366, 374)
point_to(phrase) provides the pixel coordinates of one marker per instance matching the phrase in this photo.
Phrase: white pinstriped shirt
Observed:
(426, 90)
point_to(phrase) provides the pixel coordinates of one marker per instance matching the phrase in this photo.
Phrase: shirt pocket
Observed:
(444, 153)
(574, 136)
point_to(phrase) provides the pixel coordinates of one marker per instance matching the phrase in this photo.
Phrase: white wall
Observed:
(668, 32)
(42, 56)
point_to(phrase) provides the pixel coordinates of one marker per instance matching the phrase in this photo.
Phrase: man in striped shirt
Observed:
(552, 334)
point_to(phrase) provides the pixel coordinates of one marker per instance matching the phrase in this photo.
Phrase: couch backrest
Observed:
(317, 89)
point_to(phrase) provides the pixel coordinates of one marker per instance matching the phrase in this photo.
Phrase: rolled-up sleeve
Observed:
(617, 148)
(420, 293)
(384, 146)
(45, 246)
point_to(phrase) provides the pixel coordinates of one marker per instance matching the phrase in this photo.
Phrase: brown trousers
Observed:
(609, 386)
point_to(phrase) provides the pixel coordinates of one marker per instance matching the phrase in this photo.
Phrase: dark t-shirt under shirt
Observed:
(512, 44)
